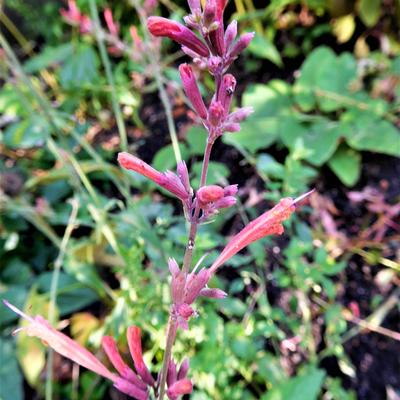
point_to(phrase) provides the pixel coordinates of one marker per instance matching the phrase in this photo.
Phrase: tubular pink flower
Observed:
(230, 34)
(183, 386)
(110, 348)
(130, 389)
(111, 25)
(72, 15)
(269, 223)
(159, 26)
(62, 344)
(167, 180)
(213, 293)
(192, 90)
(135, 347)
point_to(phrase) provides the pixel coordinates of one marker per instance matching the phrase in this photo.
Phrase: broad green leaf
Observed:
(16, 295)
(370, 11)
(270, 167)
(365, 131)
(80, 69)
(11, 382)
(303, 387)
(346, 164)
(261, 47)
(319, 139)
(165, 158)
(256, 133)
(27, 133)
(50, 56)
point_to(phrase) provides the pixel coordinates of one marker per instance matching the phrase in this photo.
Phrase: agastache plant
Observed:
(214, 48)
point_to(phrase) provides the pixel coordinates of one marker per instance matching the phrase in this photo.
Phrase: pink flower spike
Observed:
(159, 26)
(62, 344)
(135, 347)
(192, 90)
(130, 389)
(183, 386)
(110, 348)
(111, 25)
(269, 223)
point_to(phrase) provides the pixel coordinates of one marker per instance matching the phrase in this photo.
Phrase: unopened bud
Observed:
(179, 388)
(183, 370)
(230, 190)
(215, 113)
(225, 202)
(185, 311)
(192, 90)
(209, 12)
(240, 114)
(211, 193)
(230, 34)
(231, 127)
(183, 175)
(241, 44)
(213, 293)
(226, 90)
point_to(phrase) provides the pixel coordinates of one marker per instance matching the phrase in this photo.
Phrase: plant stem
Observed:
(187, 261)
(53, 291)
(109, 75)
(171, 334)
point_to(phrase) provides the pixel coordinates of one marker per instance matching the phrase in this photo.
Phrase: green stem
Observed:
(110, 78)
(53, 291)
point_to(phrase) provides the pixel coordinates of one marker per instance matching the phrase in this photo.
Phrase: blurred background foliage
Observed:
(312, 314)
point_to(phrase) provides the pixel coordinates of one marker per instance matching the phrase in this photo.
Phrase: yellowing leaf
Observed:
(82, 325)
(343, 28)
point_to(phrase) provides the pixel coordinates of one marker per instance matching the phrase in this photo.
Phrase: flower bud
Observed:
(192, 90)
(240, 114)
(213, 293)
(130, 389)
(135, 347)
(225, 202)
(110, 348)
(183, 370)
(241, 44)
(183, 175)
(211, 193)
(230, 190)
(215, 113)
(226, 90)
(183, 386)
(159, 26)
(210, 10)
(231, 127)
(185, 311)
(214, 64)
(230, 34)
(173, 267)
(171, 373)
(194, 6)
(111, 25)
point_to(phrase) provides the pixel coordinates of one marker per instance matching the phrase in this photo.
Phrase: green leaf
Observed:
(270, 167)
(80, 69)
(10, 375)
(48, 57)
(304, 387)
(324, 78)
(369, 11)
(261, 47)
(16, 295)
(319, 139)
(346, 164)
(27, 133)
(365, 131)
(165, 157)
(217, 173)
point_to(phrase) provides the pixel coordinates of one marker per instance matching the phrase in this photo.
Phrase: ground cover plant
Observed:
(98, 250)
